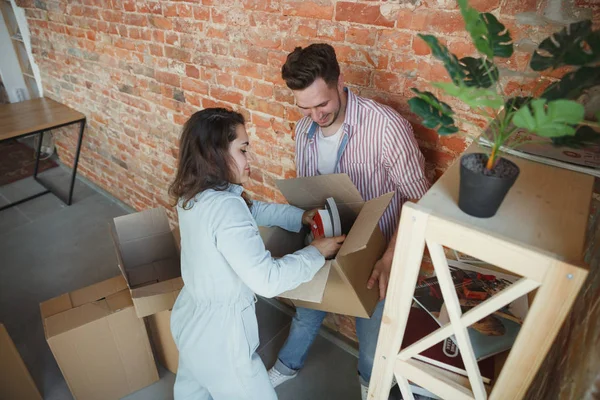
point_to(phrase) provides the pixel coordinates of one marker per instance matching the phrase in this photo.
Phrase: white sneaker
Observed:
(277, 378)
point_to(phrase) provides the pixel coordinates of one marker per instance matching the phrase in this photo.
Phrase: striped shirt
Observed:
(378, 151)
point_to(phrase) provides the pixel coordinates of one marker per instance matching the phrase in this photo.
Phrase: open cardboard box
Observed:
(344, 278)
(100, 345)
(148, 257)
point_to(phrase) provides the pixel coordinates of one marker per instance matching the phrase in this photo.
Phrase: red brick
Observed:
(426, 135)
(404, 19)
(394, 40)
(512, 7)
(388, 82)
(462, 48)
(261, 5)
(356, 75)
(161, 23)
(363, 36)
(226, 95)
(224, 79)
(192, 71)
(262, 90)
(307, 28)
(283, 95)
(361, 58)
(263, 38)
(242, 83)
(331, 31)
(156, 50)
(136, 20)
(167, 78)
(411, 67)
(449, 22)
(178, 54)
(185, 11)
(320, 9)
(194, 85)
(158, 36)
(453, 143)
(201, 13)
(486, 5)
(436, 157)
(361, 13)
(264, 106)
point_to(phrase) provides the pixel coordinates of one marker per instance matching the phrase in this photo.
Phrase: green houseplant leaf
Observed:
(479, 72)
(472, 96)
(573, 84)
(442, 53)
(550, 119)
(585, 136)
(575, 45)
(515, 103)
(433, 112)
(489, 36)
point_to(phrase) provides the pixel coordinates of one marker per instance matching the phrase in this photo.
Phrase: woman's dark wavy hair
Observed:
(204, 160)
(304, 65)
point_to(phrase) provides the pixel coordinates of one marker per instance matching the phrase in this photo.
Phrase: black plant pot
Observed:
(482, 192)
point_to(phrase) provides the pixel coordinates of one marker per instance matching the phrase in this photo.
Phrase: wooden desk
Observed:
(538, 234)
(37, 116)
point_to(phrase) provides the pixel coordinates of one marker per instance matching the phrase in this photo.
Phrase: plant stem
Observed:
(492, 158)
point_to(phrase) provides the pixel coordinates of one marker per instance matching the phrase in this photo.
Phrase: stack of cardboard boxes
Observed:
(102, 336)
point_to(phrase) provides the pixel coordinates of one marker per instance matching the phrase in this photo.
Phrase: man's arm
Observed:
(406, 166)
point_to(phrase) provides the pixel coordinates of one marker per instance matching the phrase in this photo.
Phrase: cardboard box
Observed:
(100, 345)
(15, 380)
(159, 326)
(148, 258)
(345, 287)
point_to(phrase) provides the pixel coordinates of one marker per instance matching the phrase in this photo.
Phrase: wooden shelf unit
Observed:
(538, 234)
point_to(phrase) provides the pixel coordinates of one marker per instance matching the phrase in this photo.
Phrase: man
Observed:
(344, 133)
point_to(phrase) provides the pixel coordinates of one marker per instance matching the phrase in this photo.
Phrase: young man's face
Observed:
(320, 102)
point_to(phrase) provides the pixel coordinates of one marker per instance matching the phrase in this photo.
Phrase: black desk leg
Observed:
(38, 154)
(76, 161)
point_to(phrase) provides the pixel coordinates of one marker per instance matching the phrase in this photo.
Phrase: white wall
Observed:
(10, 70)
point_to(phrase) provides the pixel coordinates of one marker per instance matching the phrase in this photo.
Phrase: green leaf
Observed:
(442, 53)
(479, 72)
(576, 45)
(433, 112)
(584, 137)
(476, 27)
(551, 119)
(489, 36)
(472, 96)
(572, 85)
(498, 36)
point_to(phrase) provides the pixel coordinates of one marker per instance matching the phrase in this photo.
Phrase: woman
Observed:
(224, 262)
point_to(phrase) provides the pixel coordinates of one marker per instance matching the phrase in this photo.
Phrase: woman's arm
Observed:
(281, 215)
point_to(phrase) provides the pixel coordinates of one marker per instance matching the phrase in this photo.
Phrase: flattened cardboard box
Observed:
(345, 286)
(148, 258)
(15, 380)
(100, 345)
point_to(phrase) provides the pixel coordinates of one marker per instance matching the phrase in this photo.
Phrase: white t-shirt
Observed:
(328, 148)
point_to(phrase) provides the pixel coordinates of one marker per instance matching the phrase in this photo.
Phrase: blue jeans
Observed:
(304, 329)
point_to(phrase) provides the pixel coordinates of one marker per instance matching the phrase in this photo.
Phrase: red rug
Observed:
(17, 161)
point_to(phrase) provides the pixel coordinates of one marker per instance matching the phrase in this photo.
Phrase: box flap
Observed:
(97, 291)
(311, 192)
(119, 301)
(167, 286)
(143, 224)
(365, 224)
(56, 305)
(76, 317)
(154, 272)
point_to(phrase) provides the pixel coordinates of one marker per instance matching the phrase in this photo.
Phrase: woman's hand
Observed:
(329, 247)
(307, 217)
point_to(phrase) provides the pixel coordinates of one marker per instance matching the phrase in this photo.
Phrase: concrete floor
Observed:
(47, 249)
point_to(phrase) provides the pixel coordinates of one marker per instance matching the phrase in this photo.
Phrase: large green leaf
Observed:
(498, 36)
(572, 85)
(442, 53)
(584, 137)
(489, 36)
(433, 112)
(576, 45)
(472, 96)
(550, 119)
(479, 72)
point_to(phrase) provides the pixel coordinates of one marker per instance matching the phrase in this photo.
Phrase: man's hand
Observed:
(381, 275)
(307, 217)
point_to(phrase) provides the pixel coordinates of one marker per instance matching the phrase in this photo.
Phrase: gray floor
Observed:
(47, 249)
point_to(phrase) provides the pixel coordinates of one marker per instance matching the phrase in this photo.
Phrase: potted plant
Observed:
(487, 177)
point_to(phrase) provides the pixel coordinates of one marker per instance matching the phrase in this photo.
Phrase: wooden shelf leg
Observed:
(408, 255)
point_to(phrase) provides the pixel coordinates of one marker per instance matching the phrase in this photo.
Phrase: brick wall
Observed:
(138, 69)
